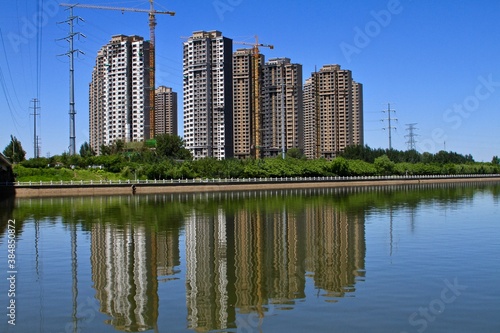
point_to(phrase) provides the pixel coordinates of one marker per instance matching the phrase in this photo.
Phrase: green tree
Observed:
(118, 146)
(40, 163)
(384, 165)
(411, 156)
(495, 160)
(86, 150)
(105, 150)
(171, 146)
(340, 166)
(295, 153)
(14, 150)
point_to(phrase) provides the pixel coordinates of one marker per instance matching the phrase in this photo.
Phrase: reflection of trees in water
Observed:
(6, 213)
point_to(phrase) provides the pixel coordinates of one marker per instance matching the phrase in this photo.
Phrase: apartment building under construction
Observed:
(165, 111)
(333, 112)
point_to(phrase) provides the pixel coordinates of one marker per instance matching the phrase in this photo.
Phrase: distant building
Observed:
(165, 111)
(333, 112)
(118, 93)
(282, 107)
(208, 93)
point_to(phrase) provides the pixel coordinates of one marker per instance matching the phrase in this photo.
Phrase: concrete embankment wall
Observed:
(121, 189)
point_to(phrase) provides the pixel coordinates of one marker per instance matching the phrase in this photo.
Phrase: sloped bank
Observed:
(213, 185)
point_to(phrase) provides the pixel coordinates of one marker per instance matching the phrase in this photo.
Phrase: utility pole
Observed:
(411, 143)
(36, 150)
(152, 24)
(389, 127)
(70, 54)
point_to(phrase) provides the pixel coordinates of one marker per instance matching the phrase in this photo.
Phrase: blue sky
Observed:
(436, 62)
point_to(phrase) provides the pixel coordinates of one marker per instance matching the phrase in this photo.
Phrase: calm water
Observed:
(392, 259)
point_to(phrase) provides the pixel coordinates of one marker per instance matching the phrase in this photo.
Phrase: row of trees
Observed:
(170, 159)
(367, 154)
(119, 167)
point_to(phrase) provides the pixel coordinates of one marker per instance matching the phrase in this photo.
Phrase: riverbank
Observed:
(215, 185)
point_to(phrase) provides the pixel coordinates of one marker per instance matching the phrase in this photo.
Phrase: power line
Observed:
(411, 143)
(389, 127)
(39, 40)
(8, 70)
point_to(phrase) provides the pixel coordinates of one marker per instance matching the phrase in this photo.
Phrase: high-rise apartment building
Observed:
(118, 93)
(208, 93)
(282, 116)
(165, 111)
(333, 112)
(247, 103)
(310, 120)
(357, 114)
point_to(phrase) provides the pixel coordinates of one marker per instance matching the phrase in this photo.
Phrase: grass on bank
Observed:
(24, 174)
(232, 168)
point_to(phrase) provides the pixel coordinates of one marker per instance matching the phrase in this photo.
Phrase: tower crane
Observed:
(255, 45)
(256, 117)
(152, 24)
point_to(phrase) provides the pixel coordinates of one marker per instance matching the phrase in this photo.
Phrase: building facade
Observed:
(357, 114)
(118, 93)
(333, 112)
(247, 103)
(208, 93)
(282, 110)
(165, 111)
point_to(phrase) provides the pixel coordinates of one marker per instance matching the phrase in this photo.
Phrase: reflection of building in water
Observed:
(273, 250)
(285, 241)
(167, 255)
(126, 262)
(207, 288)
(249, 260)
(124, 275)
(335, 249)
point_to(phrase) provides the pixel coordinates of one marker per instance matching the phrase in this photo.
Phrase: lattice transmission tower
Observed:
(411, 143)
(389, 127)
